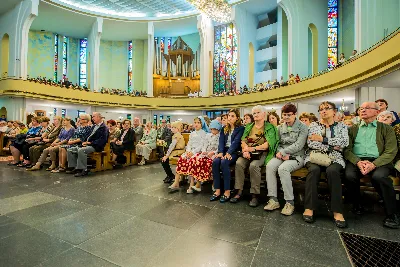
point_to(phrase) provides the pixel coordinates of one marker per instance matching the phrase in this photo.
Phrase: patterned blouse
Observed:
(336, 135)
(196, 141)
(211, 143)
(81, 133)
(66, 135)
(34, 130)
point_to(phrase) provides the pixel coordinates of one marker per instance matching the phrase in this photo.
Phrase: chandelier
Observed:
(217, 10)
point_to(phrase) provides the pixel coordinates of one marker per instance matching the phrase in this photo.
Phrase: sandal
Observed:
(215, 197)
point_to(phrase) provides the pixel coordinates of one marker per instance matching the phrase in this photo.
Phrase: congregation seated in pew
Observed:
(125, 141)
(147, 143)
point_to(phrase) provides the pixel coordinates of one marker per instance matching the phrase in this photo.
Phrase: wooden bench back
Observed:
(186, 137)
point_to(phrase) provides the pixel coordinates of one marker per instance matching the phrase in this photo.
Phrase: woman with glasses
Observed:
(259, 143)
(289, 157)
(325, 137)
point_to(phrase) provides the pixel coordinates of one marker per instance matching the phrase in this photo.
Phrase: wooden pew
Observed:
(2, 152)
(102, 159)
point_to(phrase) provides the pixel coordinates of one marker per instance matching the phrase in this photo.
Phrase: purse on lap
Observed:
(320, 158)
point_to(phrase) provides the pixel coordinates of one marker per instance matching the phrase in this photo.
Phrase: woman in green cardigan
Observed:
(147, 143)
(259, 144)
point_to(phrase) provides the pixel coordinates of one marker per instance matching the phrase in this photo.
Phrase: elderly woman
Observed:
(386, 117)
(290, 157)
(65, 134)
(80, 135)
(47, 139)
(259, 143)
(147, 143)
(23, 142)
(113, 130)
(325, 138)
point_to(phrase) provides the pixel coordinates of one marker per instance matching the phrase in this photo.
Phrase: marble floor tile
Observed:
(24, 201)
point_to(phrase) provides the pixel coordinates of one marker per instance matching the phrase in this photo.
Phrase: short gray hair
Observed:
(260, 108)
(384, 113)
(85, 116)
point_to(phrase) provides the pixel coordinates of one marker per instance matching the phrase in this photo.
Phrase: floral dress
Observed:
(202, 164)
(195, 144)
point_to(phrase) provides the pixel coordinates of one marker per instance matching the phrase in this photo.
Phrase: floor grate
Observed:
(368, 251)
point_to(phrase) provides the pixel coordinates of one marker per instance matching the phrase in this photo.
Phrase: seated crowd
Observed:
(345, 153)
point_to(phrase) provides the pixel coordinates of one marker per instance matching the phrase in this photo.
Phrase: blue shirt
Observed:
(34, 130)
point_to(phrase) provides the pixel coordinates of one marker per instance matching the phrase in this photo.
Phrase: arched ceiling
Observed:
(135, 9)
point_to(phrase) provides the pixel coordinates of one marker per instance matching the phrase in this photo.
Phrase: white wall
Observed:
(15, 107)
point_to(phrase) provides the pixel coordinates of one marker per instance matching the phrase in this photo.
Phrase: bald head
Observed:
(369, 111)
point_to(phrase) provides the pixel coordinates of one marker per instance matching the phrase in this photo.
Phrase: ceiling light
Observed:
(217, 10)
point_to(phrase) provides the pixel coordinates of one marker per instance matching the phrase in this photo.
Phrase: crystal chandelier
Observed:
(217, 10)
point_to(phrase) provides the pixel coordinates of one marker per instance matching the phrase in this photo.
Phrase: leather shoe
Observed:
(340, 224)
(71, 171)
(224, 199)
(169, 180)
(392, 221)
(254, 202)
(82, 173)
(308, 218)
(358, 210)
(214, 197)
(235, 199)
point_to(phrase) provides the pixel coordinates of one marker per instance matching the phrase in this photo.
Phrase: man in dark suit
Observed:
(164, 138)
(77, 156)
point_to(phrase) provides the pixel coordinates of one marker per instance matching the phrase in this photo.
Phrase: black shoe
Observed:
(70, 171)
(358, 210)
(224, 199)
(392, 221)
(254, 202)
(169, 180)
(235, 199)
(340, 224)
(214, 197)
(82, 173)
(308, 218)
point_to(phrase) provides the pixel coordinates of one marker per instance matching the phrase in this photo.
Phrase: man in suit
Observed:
(138, 129)
(77, 156)
(164, 136)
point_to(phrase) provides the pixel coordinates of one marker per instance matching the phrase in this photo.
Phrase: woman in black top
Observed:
(124, 142)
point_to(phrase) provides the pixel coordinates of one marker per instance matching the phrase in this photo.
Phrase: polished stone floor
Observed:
(127, 217)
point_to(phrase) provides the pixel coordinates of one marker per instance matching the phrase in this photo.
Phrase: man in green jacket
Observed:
(372, 148)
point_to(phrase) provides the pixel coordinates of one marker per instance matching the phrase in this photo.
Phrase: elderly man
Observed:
(77, 156)
(371, 150)
(138, 129)
(164, 138)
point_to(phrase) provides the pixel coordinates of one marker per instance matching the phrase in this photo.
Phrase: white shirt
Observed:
(196, 141)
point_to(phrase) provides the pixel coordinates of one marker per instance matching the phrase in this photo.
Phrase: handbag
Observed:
(320, 158)
(256, 155)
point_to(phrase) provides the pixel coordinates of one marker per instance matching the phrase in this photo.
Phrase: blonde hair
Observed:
(177, 124)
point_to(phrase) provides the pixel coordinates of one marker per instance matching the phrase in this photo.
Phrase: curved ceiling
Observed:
(135, 9)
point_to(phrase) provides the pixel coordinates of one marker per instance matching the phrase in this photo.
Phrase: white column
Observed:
(357, 25)
(94, 54)
(206, 31)
(150, 58)
(16, 23)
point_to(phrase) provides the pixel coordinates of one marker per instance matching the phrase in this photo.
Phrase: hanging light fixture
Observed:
(218, 10)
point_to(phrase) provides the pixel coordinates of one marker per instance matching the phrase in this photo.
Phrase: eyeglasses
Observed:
(325, 109)
(287, 114)
(368, 108)
(256, 113)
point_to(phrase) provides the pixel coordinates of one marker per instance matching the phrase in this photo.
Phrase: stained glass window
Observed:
(129, 66)
(225, 58)
(169, 43)
(82, 61)
(333, 25)
(55, 57)
(65, 55)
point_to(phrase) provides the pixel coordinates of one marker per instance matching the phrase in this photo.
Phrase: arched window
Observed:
(82, 61)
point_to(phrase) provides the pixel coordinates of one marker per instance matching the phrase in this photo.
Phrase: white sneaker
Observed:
(189, 191)
(272, 205)
(288, 209)
(197, 189)
(142, 162)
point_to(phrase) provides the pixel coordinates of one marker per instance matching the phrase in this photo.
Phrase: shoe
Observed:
(340, 224)
(168, 180)
(197, 189)
(235, 199)
(224, 199)
(33, 168)
(254, 202)
(308, 218)
(173, 189)
(82, 173)
(214, 197)
(51, 168)
(71, 171)
(142, 162)
(358, 210)
(392, 221)
(189, 191)
(13, 164)
(24, 165)
(288, 209)
(272, 205)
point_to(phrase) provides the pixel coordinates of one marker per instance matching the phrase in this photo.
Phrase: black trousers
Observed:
(25, 150)
(333, 172)
(119, 151)
(160, 151)
(379, 179)
(167, 168)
